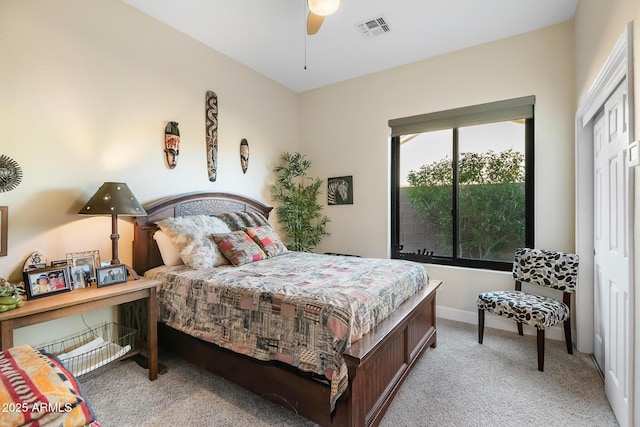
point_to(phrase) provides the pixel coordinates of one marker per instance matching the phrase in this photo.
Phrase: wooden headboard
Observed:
(145, 250)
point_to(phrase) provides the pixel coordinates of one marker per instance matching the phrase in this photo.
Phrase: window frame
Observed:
(466, 116)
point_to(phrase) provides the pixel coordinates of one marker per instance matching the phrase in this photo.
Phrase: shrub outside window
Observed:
(462, 185)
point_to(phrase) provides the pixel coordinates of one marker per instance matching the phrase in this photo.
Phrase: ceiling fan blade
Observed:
(314, 22)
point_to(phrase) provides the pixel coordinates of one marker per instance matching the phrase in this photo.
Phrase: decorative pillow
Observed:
(191, 235)
(170, 255)
(81, 414)
(238, 247)
(33, 390)
(241, 220)
(268, 240)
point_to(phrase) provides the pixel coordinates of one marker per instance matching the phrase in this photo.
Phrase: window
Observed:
(462, 185)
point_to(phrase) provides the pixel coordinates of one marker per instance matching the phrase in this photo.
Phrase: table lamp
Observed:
(114, 198)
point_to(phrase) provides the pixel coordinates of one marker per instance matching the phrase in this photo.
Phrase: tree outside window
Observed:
(462, 195)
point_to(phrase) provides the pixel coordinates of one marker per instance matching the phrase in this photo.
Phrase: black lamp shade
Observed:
(113, 198)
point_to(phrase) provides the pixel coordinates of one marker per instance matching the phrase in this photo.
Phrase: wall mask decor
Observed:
(211, 113)
(172, 144)
(340, 190)
(10, 174)
(244, 155)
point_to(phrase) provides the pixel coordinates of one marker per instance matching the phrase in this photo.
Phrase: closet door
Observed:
(612, 332)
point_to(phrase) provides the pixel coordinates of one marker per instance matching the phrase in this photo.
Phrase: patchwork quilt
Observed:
(303, 309)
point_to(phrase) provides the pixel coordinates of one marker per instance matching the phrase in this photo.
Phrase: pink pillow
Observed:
(238, 247)
(268, 240)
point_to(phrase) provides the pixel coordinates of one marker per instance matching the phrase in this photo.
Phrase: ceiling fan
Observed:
(318, 9)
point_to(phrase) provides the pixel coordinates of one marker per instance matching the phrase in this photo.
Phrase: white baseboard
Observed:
(492, 321)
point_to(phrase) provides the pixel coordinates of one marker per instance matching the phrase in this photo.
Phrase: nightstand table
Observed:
(83, 300)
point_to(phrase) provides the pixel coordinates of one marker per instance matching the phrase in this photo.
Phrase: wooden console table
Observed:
(83, 300)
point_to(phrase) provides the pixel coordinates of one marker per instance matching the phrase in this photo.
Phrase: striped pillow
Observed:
(241, 220)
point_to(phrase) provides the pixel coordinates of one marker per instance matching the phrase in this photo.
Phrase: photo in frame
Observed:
(4, 228)
(88, 260)
(340, 190)
(43, 282)
(79, 277)
(112, 275)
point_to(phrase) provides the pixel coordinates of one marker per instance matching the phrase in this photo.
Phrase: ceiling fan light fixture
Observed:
(323, 7)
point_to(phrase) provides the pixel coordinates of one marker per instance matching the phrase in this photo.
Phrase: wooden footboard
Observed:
(382, 359)
(378, 364)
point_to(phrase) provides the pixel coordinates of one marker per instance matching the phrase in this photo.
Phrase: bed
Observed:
(375, 364)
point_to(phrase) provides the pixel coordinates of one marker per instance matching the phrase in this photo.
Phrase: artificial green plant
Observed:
(299, 212)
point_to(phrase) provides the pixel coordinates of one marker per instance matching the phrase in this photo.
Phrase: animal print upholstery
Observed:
(529, 309)
(552, 269)
(557, 270)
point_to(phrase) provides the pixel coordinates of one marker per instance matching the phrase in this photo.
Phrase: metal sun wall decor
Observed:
(172, 144)
(244, 155)
(211, 110)
(10, 174)
(340, 190)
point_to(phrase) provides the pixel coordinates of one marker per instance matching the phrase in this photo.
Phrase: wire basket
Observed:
(90, 350)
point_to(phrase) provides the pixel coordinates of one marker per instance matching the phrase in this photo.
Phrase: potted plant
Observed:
(299, 212)
(10, 295)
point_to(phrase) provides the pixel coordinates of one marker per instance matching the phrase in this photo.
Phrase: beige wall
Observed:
(86, 89)
(344, 131)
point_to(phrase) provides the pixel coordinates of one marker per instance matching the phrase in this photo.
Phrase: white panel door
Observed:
(601, 305)
(612, 258)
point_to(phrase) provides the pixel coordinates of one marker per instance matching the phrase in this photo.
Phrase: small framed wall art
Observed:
(340, 190)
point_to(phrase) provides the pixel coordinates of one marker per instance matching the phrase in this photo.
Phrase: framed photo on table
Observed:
(89, 260)
(79, 277)
(44, 282)
(112, 275)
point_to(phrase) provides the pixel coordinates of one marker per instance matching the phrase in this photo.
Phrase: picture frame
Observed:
(340, 190)
(4, 228)
(78, 277)
(89, 260)
(111, 275)
(44, 282)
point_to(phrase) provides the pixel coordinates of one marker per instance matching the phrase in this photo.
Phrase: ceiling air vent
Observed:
(373, 27)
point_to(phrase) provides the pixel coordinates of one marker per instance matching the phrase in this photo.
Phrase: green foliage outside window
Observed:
(491, 205)
(299, 212)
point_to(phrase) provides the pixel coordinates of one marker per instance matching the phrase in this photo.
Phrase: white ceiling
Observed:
(269, 36)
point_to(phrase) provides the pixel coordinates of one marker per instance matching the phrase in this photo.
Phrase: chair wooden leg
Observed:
(480, 325)
(541, 350)
(567, 335)
(519, 328)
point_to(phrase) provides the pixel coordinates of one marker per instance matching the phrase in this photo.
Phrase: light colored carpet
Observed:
(459, 383)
